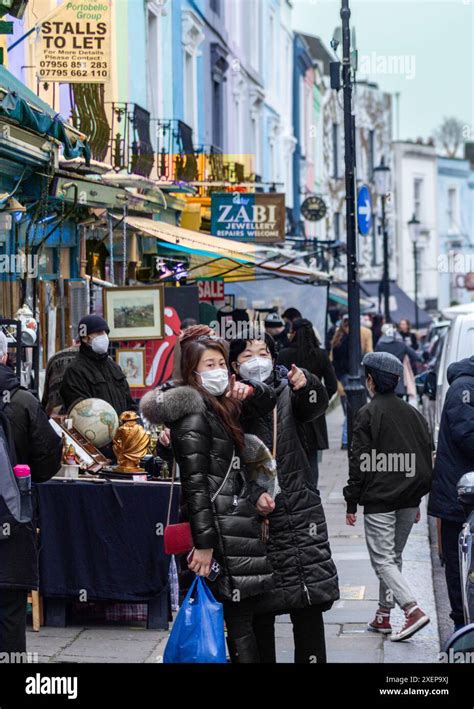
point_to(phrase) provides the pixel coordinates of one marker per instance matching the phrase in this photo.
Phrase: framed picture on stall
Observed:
(135, 312)
(132, 364)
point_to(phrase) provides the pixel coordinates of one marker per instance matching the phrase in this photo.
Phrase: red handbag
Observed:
(177, 537)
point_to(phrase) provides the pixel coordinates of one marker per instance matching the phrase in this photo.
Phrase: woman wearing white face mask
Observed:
(93, 374)
(305, 577)
(203, 412)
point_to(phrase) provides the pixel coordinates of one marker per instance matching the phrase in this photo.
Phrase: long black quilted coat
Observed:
(298, 546)
(231, 526)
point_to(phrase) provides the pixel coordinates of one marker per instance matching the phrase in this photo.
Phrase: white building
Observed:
(415, 193)
(373, 124)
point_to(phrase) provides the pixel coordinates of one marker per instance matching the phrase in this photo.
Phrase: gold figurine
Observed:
(130, 443)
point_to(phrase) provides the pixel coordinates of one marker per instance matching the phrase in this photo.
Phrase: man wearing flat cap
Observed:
(390, 470)
(93, 374)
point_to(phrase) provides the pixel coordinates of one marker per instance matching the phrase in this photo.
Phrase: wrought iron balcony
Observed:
(176, 156)
(211, 164)
(89, 116)
(119, 133)
(130, 145)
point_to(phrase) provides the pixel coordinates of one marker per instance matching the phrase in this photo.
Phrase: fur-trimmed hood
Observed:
(168, 405)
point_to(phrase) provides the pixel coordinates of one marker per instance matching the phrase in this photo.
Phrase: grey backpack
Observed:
(10, 498)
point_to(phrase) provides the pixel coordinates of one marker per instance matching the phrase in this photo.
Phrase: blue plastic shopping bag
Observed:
(198, 631)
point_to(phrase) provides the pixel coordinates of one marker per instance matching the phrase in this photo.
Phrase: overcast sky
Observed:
(423, 49)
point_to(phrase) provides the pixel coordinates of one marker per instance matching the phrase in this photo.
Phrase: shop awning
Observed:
(214, 256)
(193, 242)
(401, 305)
(20, 104)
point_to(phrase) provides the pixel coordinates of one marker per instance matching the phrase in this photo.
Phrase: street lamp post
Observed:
(382, 187)
(355, 390)
(414, 230)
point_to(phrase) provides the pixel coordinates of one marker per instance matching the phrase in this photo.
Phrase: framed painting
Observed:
(135, 313)
(132, 364)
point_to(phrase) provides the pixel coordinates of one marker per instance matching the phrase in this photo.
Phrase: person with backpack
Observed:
(27, 438)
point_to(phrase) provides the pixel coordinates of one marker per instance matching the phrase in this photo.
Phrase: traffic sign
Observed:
(364, 210)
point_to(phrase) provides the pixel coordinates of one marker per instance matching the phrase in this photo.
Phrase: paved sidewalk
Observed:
(347, 638)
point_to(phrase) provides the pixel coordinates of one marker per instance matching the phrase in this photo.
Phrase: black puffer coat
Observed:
(316, 431)
(230, 525)
(298, 546)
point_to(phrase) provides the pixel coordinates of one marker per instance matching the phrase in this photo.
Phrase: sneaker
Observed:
(415, 620)
(381, 623)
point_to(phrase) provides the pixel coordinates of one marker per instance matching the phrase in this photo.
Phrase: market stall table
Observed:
(103, 541)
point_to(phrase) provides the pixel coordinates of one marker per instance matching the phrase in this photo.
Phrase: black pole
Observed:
(355, 390)
(385, 281)
(415, 259)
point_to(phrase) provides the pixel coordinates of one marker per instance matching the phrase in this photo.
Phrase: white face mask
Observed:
(258, 368)
(100, 344)
(215, 381)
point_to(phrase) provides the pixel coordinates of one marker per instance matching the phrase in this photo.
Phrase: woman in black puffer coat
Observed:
(207, 439)
(305, 576)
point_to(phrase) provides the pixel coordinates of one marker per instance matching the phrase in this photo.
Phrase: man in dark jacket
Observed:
(93, 374)
(306, 581)
(392, 342)
(454, 457)
(390, 468)
(36, 444)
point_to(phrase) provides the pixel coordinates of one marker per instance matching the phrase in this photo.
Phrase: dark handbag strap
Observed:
(275, 428)
(173, 475)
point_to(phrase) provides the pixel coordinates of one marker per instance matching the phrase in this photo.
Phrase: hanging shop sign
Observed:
(314, 208)
(73, 44)
(258, 218)
(210, 291)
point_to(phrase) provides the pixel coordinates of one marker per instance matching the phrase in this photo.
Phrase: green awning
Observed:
(22, 105)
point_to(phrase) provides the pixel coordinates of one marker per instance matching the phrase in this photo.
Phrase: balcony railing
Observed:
(130, 145)
(176, 156)
(89, 116)
(119, 133)
(211, 164)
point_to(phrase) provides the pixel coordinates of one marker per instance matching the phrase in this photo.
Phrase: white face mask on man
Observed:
(259, 368)
(100, 344)
(215, 381)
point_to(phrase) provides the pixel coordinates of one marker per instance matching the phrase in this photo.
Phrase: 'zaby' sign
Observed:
(258, 217)
(73, 43)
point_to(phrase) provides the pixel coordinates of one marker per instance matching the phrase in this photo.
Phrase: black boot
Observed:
(243, 649)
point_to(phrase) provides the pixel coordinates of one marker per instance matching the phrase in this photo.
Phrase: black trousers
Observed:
(450, 532)
(13, 620)
(239, 618)
(308, 634)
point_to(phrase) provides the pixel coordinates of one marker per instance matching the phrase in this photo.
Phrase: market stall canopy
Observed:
(20, 104)
(214, 256)
(193, 241)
